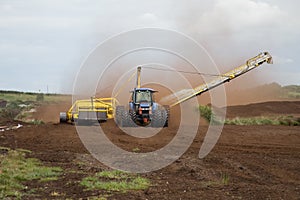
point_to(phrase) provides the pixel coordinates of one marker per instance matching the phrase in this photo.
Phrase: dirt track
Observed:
(262, 162)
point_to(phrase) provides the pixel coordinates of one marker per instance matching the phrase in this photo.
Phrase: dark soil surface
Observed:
(248, 162)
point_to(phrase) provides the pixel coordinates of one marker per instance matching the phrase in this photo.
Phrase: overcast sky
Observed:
(43, 42)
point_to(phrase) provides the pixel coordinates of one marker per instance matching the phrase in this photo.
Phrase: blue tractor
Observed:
(142, 110)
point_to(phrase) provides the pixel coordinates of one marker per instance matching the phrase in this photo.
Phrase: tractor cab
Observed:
(143, 95)
(141, 105)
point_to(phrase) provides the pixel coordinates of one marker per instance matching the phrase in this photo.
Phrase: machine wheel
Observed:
(127, 119)
(123, 117)
(166, 115)
(157, 119)
(119, 113)
(132, 115)
(63, 117)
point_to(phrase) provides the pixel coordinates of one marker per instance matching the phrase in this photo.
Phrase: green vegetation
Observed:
(291, 91)
(11, 96)
(11, 111)
(19, 105)
(40, 97)
(115, 180)
(275, 90)
(136, 149)
(16, 110)
(283, 120)
(224, 178)
(15, 169)
(36, 122)
(207, 113)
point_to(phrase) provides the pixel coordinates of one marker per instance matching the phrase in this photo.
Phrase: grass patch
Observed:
(17, 110)
(115, 174)
(18, 105)
(207, 113)
(136, 149)
(116, 181)
(102, 197)
(224, 178)
(291, 92)
(283, 120)
(16, 168)
(36, 122)
(11, 111)
(31, 96)
(9, 96)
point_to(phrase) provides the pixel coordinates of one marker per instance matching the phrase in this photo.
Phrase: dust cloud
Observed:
(109, 72)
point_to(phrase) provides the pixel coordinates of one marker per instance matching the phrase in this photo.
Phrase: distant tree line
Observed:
(29, 93)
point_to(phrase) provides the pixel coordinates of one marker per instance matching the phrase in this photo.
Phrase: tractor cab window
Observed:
(143, 96)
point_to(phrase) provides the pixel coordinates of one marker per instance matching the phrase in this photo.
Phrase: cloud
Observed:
(283, 60)
(234, 16)
(149, 17)
(234, 30)
(154, 20)
(42, 23)
(59, 34)
(6, 7)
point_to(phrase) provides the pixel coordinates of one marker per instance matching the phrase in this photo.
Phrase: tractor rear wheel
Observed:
(166, 115)
(157, 119)
(119, 113)
(123, 117)
(127, 119)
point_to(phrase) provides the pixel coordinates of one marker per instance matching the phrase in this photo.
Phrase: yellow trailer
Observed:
(89, 110)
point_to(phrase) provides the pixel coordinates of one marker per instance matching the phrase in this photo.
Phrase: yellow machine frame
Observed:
(98, 109)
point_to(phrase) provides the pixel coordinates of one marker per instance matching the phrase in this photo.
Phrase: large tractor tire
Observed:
(160, 118)
(63, 117)
(118, 115)
(166, 115)
(123, 117)
(157, 119)
(133, 115)
(127, 120)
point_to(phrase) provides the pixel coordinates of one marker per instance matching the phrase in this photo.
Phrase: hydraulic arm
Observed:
(249, 65)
